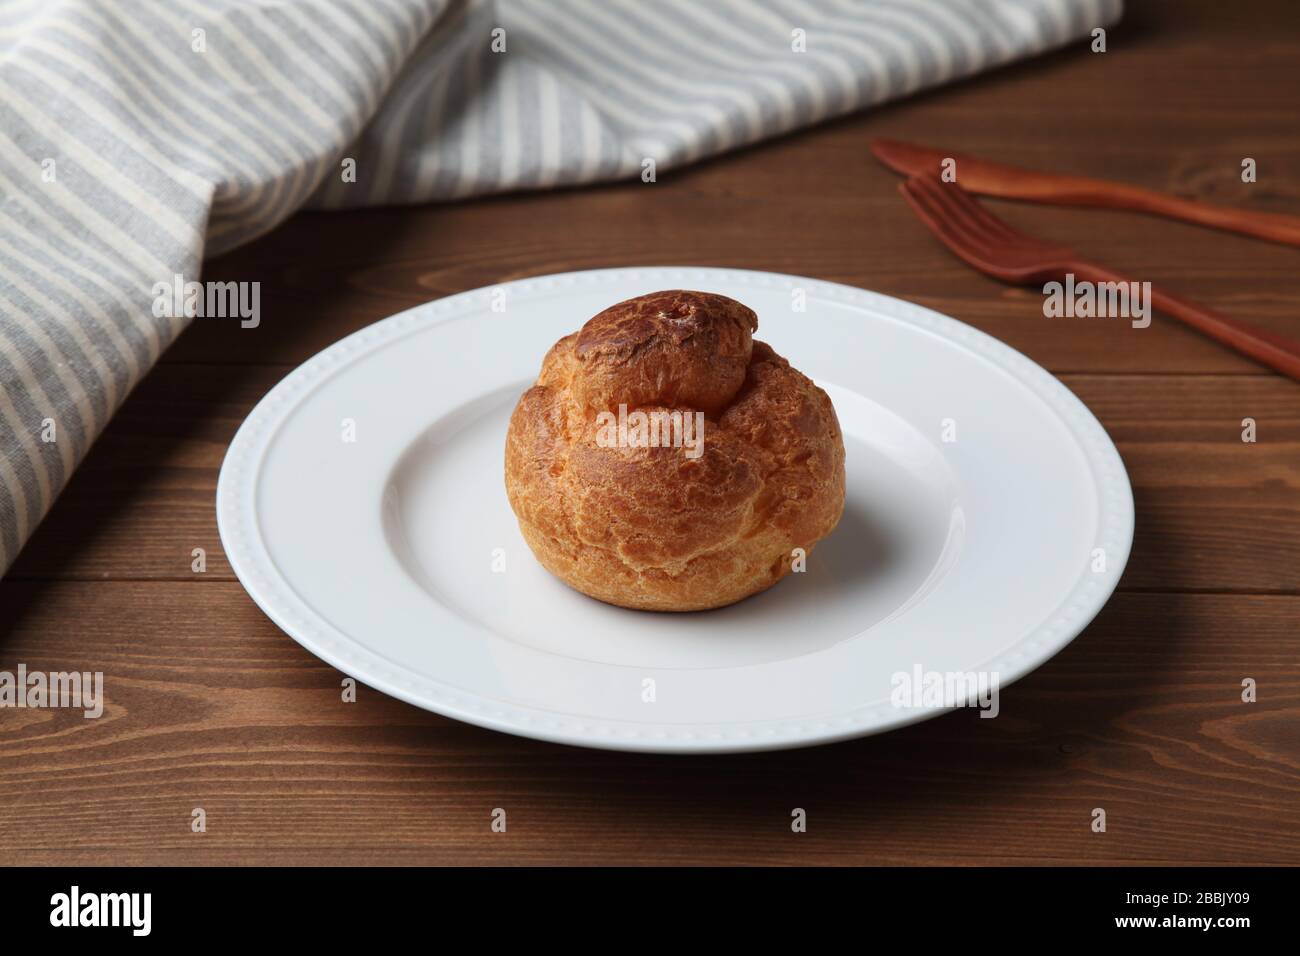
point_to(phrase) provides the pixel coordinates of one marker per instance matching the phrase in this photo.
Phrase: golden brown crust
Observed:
(657, 528)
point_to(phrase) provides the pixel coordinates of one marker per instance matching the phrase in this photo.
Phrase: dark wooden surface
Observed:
(210, 705)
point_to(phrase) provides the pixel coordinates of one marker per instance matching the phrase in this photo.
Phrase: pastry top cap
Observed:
(676, 348)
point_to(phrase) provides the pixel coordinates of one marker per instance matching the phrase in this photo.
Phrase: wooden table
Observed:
(210, 705)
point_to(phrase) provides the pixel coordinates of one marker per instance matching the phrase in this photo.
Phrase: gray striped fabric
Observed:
(137, 137)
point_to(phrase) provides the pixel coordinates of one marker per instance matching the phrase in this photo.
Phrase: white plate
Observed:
(384, 555)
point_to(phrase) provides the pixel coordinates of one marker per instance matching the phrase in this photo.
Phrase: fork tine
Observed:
(959, 203)
(972, 247)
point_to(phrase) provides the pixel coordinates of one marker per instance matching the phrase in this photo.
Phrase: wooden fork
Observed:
(981, 239)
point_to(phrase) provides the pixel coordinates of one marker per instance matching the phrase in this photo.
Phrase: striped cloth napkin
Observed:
(138, 136)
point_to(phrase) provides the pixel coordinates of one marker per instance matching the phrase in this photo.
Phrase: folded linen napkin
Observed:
(138, 137)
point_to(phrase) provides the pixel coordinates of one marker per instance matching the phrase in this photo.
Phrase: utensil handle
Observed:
(1268, 348)
(1275, 227)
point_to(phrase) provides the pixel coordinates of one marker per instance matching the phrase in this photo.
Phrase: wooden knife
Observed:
(1013, 182)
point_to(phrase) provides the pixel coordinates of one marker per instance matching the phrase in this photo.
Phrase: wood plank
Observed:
(209, 705)
(1214, 513)
(325, 276)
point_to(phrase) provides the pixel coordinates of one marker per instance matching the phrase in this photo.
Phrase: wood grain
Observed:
(210, 705)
